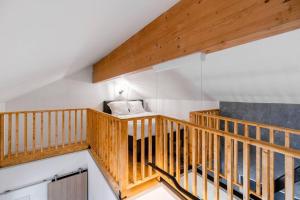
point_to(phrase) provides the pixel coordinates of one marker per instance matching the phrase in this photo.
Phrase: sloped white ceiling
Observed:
(266, 70)
(42, 41)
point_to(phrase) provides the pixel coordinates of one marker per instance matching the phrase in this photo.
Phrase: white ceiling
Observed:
(42, 41)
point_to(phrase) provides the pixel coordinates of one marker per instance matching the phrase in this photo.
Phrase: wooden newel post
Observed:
(123, 158)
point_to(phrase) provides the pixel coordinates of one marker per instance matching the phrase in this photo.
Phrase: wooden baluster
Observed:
(235, 151)
(228, 149)
(166, 145)
(25, 134)
(178, 152)
(204, 165)
(69, 129)
(216, 166)
(9, 135)
(33, 132)
(210, 151)
(123, 158)
(150, 145)
(246, 174)
(171, 145)
(75, 128)
(289, 171)
(134, 151)
(143, 148)
(194, 160)
(17, 134)
(185, 157)
(63, 133)
(81, 126)
(265, 175)
(258, 162)
(49, 130)
(56, 129)
(199, 146)
(225, 152)
(1, 137)
(271, 166)
(42, 131)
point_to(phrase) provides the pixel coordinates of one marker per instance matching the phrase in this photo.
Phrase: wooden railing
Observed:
(32, 135)
(261, 138)
(209, 145)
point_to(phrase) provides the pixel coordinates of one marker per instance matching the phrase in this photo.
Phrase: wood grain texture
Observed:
(192, 26)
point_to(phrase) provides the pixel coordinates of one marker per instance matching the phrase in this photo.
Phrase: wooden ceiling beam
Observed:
(199, 26)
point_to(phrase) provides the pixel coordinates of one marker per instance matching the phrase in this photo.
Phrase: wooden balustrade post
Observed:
(159, 142)
(123, 158)
(88, 126)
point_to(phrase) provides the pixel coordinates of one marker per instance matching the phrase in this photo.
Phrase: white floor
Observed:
(159, 192)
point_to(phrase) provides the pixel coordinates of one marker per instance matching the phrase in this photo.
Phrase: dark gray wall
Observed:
(284, 115)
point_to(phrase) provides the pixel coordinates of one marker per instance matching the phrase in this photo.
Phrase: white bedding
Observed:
(130, 124)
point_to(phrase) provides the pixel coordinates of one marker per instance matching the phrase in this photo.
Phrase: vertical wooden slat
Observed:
(216, 166)
(49, 130)
(289, 171)
(1, 137)
(235, 151)
(56, 129)
(185, 158)
(63, 133)
(17, 133)
(134, 167)
(258, 162)
(75, 128)
(42, 131)
(228, 149)
(265, 175)
(171, 145)
(246, 174)
(143, 148)
(69, 128)
(81, 126)
(33, 131)
(178, 152)
(199, 146)
(194, 160)
(271, 166)
(210, 150)
(165, 145)
(25, 134)
(9, 134)
(150, 145)
(158, 142)
(123, 158)
(204, 166)
(225, 152)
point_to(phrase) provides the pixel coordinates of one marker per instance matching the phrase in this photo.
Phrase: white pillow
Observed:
(136, 107)
(119, 107)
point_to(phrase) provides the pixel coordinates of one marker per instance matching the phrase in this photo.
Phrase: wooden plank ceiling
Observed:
(203, 25)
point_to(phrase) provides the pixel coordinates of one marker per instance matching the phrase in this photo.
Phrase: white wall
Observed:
(2, 107)
(24, 174)
(173, 92)
(21, 175)
(98, 187)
